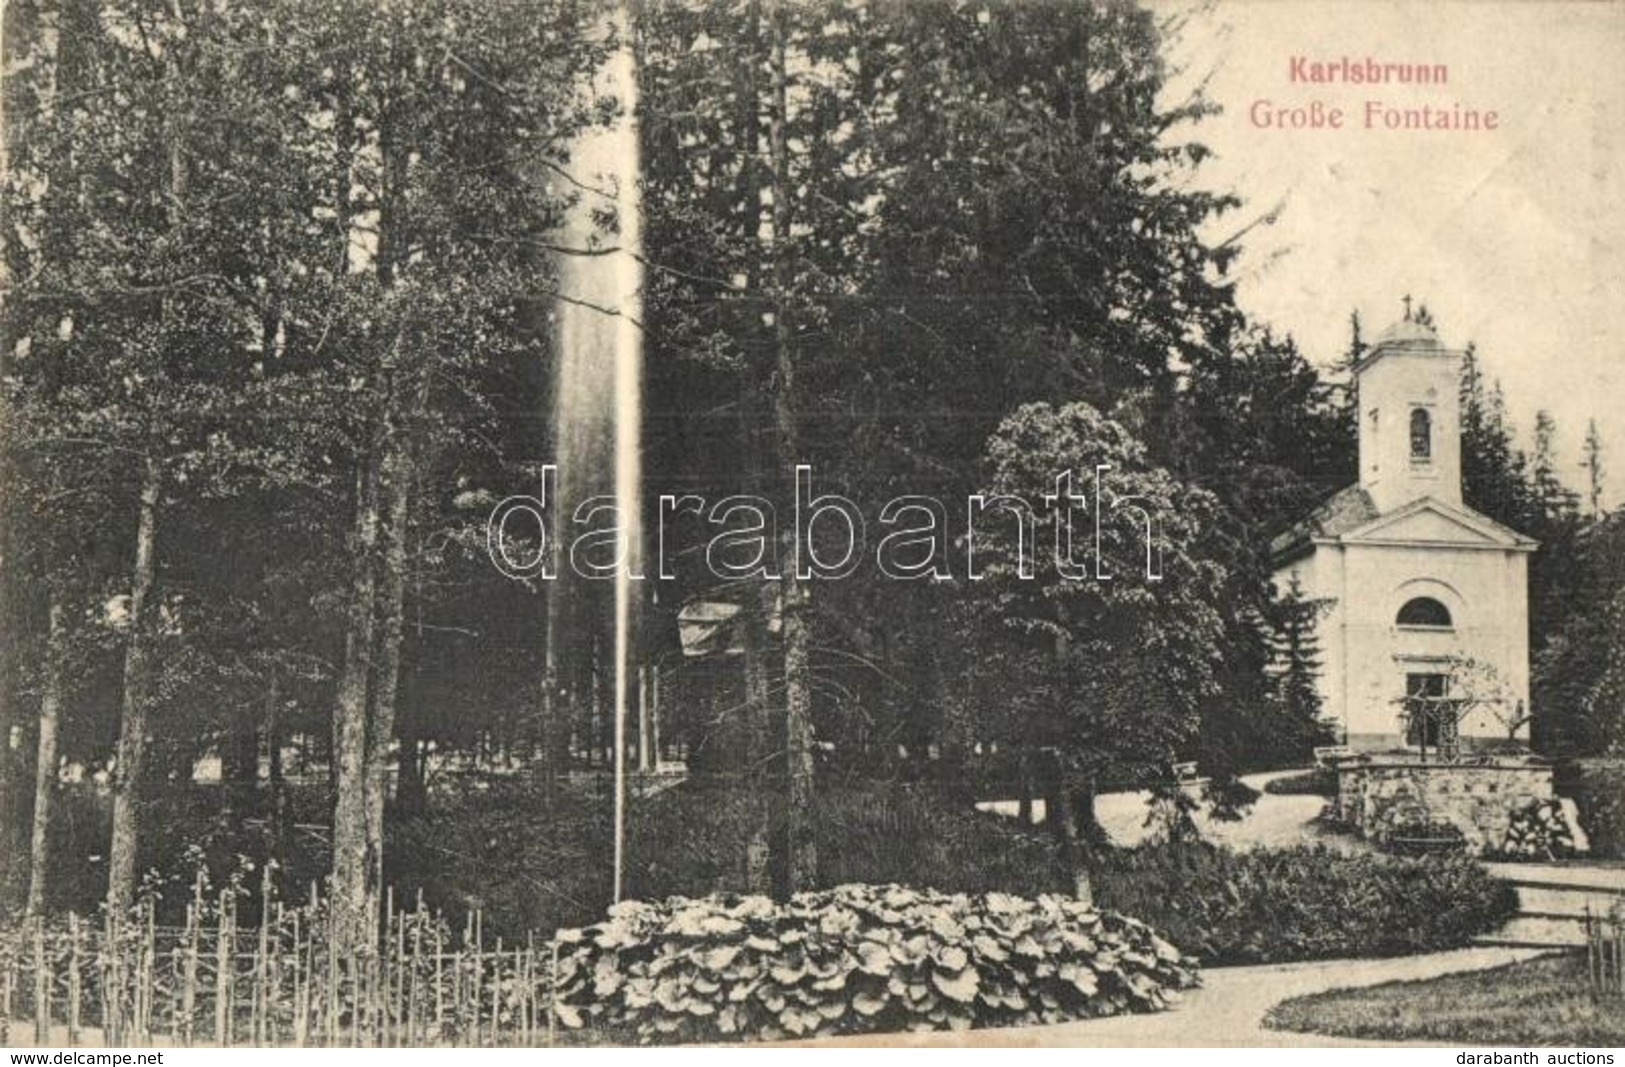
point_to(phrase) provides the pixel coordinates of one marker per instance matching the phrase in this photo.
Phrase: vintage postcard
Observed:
(910, 523)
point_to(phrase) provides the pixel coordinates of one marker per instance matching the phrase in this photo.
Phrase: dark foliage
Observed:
(1319, 782)
(1598, 789)
(1309, 902)
(535, 862)
(1223, 906)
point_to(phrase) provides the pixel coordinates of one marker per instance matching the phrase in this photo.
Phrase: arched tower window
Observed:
(1424, 611)
(1421, 434)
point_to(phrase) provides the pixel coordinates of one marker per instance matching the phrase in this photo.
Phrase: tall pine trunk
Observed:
(1073, 823)
(137, 693)
(21, 33)
(350, 874)
(1024, 785)
(13, 776)
(275, 785)
(757, 745)
(756, 741)
(800, 859)
(397, 477)
(366, 713)
(411, 787)
(556, 714)
(45, 760)
(134, 709)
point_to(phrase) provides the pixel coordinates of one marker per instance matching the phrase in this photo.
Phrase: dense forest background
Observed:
(278, 282)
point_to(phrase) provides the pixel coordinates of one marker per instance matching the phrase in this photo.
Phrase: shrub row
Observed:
(533, 859)
(1318, 781)
(1307, 902)
(690, 841)
(534, 862)
(857, 958)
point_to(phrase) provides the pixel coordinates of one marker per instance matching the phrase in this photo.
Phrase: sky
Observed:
(1513, 237)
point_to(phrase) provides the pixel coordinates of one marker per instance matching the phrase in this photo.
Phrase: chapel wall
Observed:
(1481, 589)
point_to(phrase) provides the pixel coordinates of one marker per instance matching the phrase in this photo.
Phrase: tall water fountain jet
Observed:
(598, 413)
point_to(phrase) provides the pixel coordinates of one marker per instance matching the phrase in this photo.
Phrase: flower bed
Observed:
(857, 958)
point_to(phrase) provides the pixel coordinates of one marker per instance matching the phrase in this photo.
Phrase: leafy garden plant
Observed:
(857, 958)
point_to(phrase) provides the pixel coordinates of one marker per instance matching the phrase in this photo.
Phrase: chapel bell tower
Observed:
(1408, 387)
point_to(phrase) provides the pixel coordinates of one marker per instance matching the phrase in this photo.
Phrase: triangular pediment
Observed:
(1430, 521)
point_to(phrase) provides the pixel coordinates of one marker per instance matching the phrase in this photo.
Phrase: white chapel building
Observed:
(1412, 581)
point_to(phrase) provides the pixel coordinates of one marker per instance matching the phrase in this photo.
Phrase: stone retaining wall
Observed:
(1376, 795)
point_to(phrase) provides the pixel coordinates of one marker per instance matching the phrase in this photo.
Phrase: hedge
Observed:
(534, 863)
(856, 958)
(533, 860)
(1318, 781)
(1303, 903)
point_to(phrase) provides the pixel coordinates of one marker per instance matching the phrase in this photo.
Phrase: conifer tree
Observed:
(1297, 724)
(1493, 480)
(1594, 471)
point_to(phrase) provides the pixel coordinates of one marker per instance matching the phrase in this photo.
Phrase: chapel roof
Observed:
(1415, 333)
(1351, 508)
(1408, 333)
(1347, 509)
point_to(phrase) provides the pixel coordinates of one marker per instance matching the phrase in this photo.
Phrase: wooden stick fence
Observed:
(1605, 954)
(278, 981)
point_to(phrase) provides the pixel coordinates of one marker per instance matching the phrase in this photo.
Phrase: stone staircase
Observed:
(1552, 903)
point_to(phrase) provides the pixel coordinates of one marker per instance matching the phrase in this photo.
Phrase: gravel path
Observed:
(1274, 821)
(1229, 1009)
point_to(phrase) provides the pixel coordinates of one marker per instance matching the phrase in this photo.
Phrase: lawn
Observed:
(1542, 1001)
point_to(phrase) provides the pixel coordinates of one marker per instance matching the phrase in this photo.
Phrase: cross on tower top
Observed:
(1407, 307)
